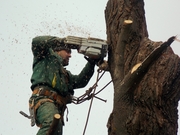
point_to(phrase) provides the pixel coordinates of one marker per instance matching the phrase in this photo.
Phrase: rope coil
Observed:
(89, 94)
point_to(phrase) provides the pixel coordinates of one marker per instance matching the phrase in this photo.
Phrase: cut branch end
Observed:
(54, 124)
(126, 22)
(136, 67)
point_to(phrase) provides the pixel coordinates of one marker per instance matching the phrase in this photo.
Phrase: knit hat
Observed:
(63, 47)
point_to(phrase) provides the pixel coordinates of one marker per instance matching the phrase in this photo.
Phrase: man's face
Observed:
(65, 54)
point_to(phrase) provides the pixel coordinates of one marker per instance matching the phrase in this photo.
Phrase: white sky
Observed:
(21, 20)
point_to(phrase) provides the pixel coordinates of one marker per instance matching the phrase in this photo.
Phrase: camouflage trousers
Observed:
(44, 116)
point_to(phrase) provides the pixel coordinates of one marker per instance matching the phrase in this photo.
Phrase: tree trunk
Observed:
(145, 74)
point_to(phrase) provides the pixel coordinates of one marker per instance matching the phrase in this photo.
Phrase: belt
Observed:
(40, 91)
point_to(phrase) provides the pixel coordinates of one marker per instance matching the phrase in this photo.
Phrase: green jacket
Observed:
(48, 69)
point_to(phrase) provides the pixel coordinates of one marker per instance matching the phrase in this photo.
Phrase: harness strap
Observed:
(40, 91)
(37, 105)
(40, 102)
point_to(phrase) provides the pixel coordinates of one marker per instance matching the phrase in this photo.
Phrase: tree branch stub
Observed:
(54, 124)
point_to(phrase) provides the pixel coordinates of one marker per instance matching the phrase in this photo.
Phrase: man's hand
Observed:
(104, 66)
(92, 61)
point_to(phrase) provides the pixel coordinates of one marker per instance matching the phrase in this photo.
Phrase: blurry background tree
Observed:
(145, 74)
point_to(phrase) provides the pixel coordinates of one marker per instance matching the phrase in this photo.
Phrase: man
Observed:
(52, 84)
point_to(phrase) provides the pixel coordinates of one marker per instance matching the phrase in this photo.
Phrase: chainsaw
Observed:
(92, 47)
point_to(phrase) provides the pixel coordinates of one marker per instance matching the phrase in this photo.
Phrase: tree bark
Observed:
(145, 74)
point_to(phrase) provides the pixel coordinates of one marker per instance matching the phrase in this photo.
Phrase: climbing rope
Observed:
(90, 94)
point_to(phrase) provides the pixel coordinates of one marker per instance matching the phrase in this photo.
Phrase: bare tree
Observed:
(145, 74)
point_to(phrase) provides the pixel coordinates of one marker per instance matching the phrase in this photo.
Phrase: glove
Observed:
(93, 61)
(104, 66)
